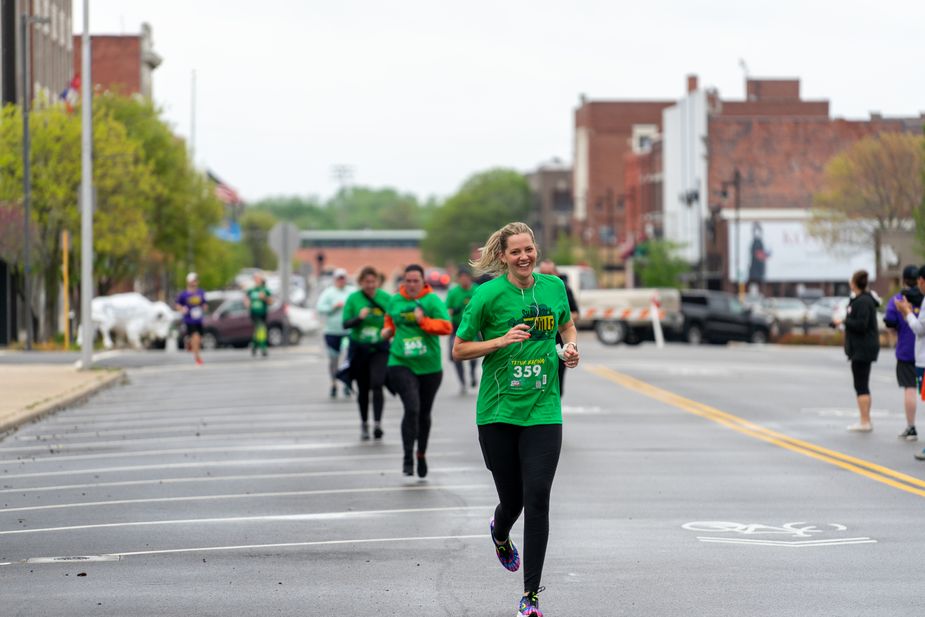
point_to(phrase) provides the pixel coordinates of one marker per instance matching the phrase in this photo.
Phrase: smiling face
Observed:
(414, 283)
(520, 256)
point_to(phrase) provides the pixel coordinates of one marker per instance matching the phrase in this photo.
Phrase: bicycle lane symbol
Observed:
(795, 534)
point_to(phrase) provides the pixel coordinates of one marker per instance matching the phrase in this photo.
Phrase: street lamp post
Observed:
(736, 183)
(25, 30)
(86, 193)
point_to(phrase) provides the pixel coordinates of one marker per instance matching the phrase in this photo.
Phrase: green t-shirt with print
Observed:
(368, 331)
(411, 346)
(259, 298)
(456, 300)
(520, 382)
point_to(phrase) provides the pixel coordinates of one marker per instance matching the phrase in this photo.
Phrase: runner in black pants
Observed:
(519, 412)
(364, 316)
(414, 320)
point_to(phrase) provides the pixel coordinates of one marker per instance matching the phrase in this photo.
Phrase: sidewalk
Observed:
(28, 391)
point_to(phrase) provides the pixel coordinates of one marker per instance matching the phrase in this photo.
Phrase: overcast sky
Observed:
(419, 94)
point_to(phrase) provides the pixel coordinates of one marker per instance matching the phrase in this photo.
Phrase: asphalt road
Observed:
(693, 481)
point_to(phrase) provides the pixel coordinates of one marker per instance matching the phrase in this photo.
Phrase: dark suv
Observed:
(719, 317)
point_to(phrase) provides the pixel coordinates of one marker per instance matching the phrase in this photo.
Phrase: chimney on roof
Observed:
(692, 84)
(876, 115)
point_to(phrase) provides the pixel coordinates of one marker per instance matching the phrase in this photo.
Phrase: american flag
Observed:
(224, 192)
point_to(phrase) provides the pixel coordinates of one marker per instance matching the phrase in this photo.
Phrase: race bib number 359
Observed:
(527, 374)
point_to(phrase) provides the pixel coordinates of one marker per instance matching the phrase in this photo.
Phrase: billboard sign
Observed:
(786, 252)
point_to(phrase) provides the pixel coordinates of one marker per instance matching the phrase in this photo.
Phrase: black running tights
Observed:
(368, 366)
(523, 461)
(417, 394)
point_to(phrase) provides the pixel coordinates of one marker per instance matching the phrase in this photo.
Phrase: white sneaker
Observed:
(861, 428)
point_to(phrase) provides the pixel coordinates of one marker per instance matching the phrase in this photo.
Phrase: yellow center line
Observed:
(862, 467)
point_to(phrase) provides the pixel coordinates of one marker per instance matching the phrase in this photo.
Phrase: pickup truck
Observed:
(719, 317)
(622, 315)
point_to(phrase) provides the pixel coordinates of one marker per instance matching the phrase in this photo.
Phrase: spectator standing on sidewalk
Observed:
(917, 324)
(905, 345)
(331, 305)
(192, 303)
(456, 300)
(862, 345)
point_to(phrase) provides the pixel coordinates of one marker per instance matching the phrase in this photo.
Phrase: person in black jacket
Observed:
(862, 344)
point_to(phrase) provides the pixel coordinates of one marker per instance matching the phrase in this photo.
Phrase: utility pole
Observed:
(25, 31)
(86, 194)
(737, 183)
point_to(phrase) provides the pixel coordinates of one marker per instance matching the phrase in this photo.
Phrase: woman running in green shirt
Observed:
(364, 316)
(415, 319)
(519, 413)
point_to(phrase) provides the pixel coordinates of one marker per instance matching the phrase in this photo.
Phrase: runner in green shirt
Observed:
(415, 319)
(519, 413)
(456, 300)
(364, 316)
(257, 300)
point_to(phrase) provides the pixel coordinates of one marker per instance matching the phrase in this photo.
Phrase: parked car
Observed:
(820, 311)
(787, 313)
(719, 317)
(230, 326)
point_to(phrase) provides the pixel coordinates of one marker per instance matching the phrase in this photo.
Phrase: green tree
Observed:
(124, 188)
(658, 264)
(255, 230)
(303, 212)
(484, 203)
(873, 186)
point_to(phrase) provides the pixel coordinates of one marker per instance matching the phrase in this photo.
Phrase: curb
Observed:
(77, 396)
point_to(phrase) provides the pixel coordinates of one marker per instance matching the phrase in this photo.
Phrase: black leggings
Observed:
(417, 394)
(861, 373)
(523, 461)
(368, 367)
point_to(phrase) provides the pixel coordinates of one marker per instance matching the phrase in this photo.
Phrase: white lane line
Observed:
(182, 451)
(335, 491)
(211, 549)
(133, 412)
(317, 516)
(791, 544)
(247, 478)
(190, 425)
(93, 445)
(203, 464)
(154, 422)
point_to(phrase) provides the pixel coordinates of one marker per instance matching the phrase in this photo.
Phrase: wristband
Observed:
(560, 349)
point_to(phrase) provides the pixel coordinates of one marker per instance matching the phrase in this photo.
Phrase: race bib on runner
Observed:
(414, 347)
(369, 333)
(529, 374)
(195, 312)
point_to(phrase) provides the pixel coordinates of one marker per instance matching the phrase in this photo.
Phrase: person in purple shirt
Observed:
(905, 346)
(192, 303)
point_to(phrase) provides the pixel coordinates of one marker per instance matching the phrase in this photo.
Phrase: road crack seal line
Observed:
(868, 469)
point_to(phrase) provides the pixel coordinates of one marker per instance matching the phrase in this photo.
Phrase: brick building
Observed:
(605, 132)
(553, 205)
(779, 144)
(50, 73)
(121, 63)
(389, 251)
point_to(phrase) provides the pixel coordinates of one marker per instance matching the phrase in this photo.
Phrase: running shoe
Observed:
(860, 428)
(377, 432)
(333, 391)
(529, 605)
(199, 363)
(422, 465)
(506, 552)
(364, 432)
(407, 466)
(920, 455)
(909, 434)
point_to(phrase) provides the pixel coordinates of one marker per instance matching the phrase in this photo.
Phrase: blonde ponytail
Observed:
(489, 260)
